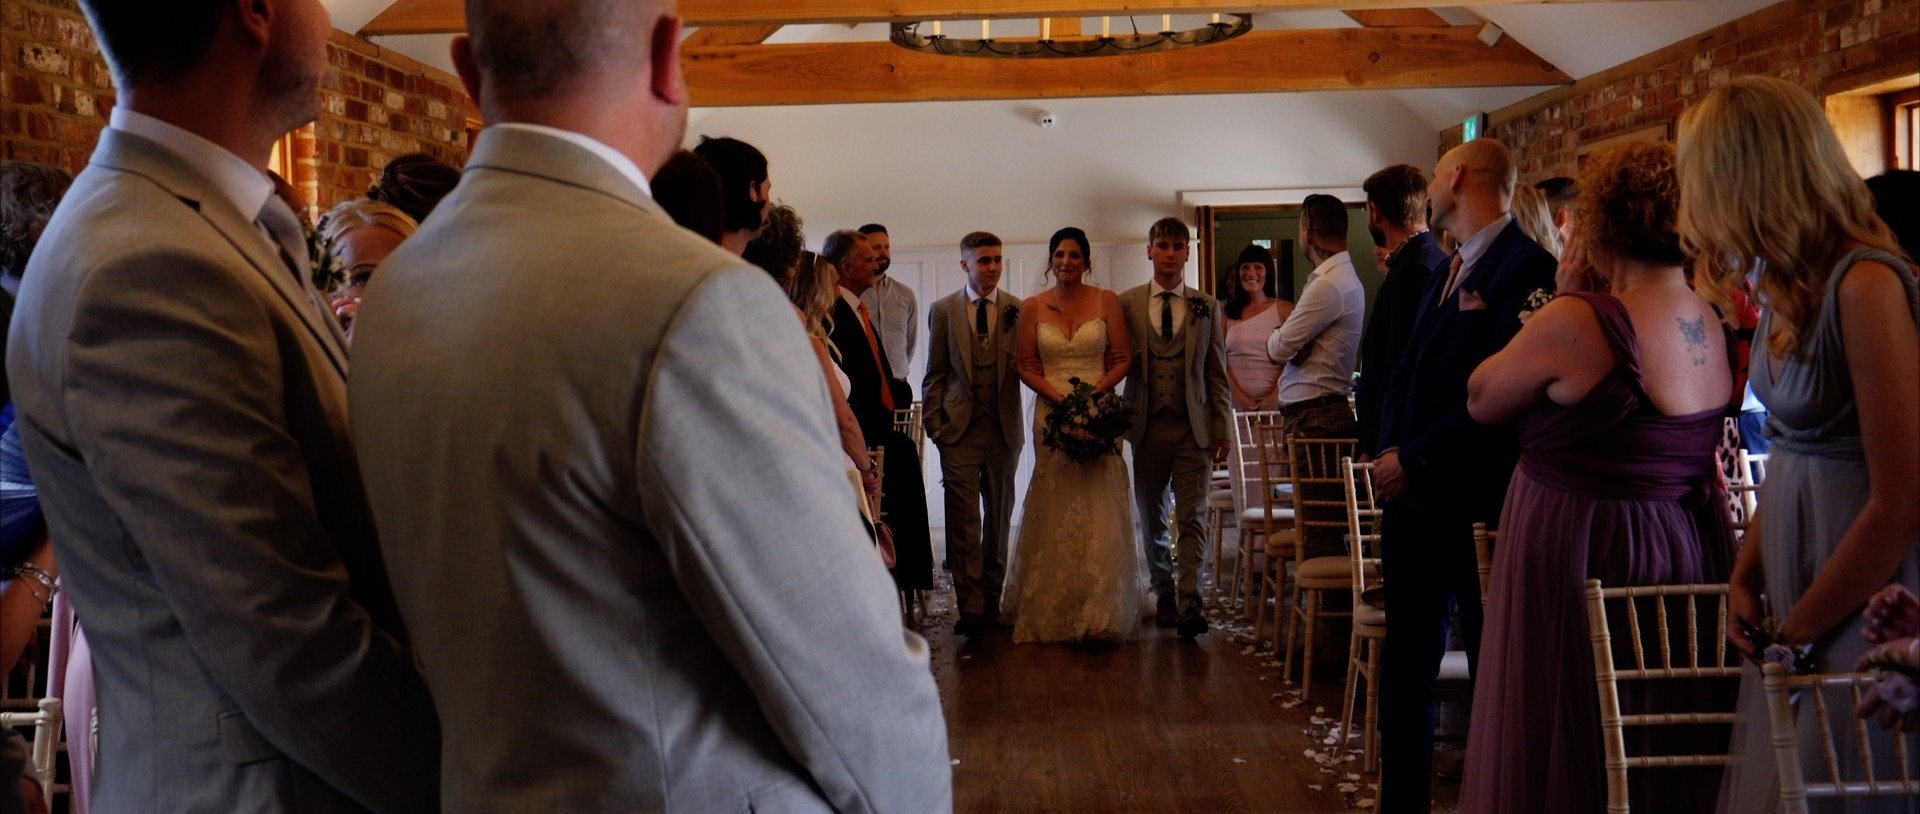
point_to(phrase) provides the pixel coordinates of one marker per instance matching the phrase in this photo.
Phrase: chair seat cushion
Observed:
(1255, 515)
(1368, 616)
(1455, 667)
(1326, 572)
(1375, 596)
(1220, 499)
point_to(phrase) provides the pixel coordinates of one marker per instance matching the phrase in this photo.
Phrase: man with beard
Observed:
(896, 313)
(182, 399)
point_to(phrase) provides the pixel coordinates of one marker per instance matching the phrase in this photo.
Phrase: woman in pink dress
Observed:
(1253, 312)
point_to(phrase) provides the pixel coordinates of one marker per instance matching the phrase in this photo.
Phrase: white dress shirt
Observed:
(1474, 248)
(1179, 293)
(895, 314)
(993, 314)
(244, 185)
(1326, 323)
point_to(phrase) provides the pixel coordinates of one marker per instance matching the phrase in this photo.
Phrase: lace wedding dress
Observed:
(1075, 570)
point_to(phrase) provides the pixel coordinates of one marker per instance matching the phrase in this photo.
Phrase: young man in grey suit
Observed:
(1178, 386)
(623, 532)
(973, 392)
(182, 399)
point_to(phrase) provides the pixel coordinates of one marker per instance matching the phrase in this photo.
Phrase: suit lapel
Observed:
(130, 153)
(959, 315)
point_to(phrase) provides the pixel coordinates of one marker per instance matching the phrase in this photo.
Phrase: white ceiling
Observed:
(934, 170)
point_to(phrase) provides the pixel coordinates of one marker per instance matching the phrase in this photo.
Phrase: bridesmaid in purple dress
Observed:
(1618, 398)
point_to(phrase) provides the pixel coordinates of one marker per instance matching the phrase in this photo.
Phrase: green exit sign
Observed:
(1473, 127)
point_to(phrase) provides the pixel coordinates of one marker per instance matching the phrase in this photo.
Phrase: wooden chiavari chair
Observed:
(1369, 621)
(46, 722)
(1816, 694)
(1252, 515)
(906, 421)
(1314, 465)
(1705, 656)
(1270, 512)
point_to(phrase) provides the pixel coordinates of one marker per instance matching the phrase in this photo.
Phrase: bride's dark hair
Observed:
(1075, 234)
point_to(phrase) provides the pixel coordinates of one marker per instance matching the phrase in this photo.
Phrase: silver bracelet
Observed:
(34, 574)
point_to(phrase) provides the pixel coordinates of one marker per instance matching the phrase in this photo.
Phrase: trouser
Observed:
(1323, 530)
(1430, 570)
(978, 466)
(1169, 463)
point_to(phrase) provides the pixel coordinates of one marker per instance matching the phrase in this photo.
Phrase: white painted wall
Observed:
(935, 171)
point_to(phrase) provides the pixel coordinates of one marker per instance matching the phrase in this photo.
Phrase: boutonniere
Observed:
(1201, 307)
(327, 273)
(1010, 315)
(1535, 301)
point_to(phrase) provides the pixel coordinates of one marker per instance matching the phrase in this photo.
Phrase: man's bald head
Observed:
(530, 49)
(1472, 186)
(1489, 164)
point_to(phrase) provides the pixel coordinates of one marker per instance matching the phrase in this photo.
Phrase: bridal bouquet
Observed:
(1086, 426)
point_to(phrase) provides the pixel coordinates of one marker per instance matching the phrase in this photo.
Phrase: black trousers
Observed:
(1428, 562)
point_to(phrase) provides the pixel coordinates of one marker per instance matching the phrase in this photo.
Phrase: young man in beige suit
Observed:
(623, 533)
(1178, 385)
(182, 399)
(972, 389)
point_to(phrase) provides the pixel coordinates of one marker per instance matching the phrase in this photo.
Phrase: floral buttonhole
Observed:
(1200, 307)
(1535, 301)
(1010, 314)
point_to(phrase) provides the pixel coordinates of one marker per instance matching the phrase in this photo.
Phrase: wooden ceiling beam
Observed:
(449, 16)
(1259, 62)
(729, 35)
(1396, 17)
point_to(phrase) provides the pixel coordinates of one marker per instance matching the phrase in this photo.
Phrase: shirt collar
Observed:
(851, 299)
(1474, 248)
(1338, 259)
(242, 184)
(621, 163)
(974, 295)
(1178, 289)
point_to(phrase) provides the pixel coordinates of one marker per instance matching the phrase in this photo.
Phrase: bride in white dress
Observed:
(1075, 572)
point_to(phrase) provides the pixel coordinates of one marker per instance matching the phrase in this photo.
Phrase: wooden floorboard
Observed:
(1155, 725)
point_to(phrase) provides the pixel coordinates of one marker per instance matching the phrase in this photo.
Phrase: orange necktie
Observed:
(886, 387)
(1453, 278)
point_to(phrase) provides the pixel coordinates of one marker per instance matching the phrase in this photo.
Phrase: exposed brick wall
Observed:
(1824, 45)
(376, 104)
(55, 91)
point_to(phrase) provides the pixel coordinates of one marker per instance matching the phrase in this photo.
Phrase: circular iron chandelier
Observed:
(908, 36)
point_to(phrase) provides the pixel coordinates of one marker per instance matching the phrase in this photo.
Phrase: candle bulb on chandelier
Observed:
(1046, 28)
(1106, 28)
(936, 28)
(984, 31)
(1166, 22)
(1216, 19)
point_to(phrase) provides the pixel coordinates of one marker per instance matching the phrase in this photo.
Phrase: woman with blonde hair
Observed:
(359, 234)
(812, 287)
(1836, 360)
(1536, 218)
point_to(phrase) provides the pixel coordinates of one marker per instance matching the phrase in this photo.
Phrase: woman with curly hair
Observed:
(1618, 399)
(1836, 361)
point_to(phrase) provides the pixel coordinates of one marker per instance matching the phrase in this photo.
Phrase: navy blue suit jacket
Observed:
(1454, 464)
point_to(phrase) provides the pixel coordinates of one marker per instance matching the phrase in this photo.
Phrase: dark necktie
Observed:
(980, 318)
(1166, 316)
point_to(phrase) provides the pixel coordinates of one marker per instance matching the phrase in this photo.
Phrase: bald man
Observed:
(1439, 471)
(623, 531)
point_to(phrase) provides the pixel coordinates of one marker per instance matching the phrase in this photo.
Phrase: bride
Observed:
(1075, 569)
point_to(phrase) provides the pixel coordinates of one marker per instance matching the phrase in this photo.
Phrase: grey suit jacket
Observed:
(623, 532)
(1203, 340)
(948, 386)
(182, 401)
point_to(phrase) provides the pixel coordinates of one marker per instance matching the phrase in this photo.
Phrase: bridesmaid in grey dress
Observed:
(1836, 359)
